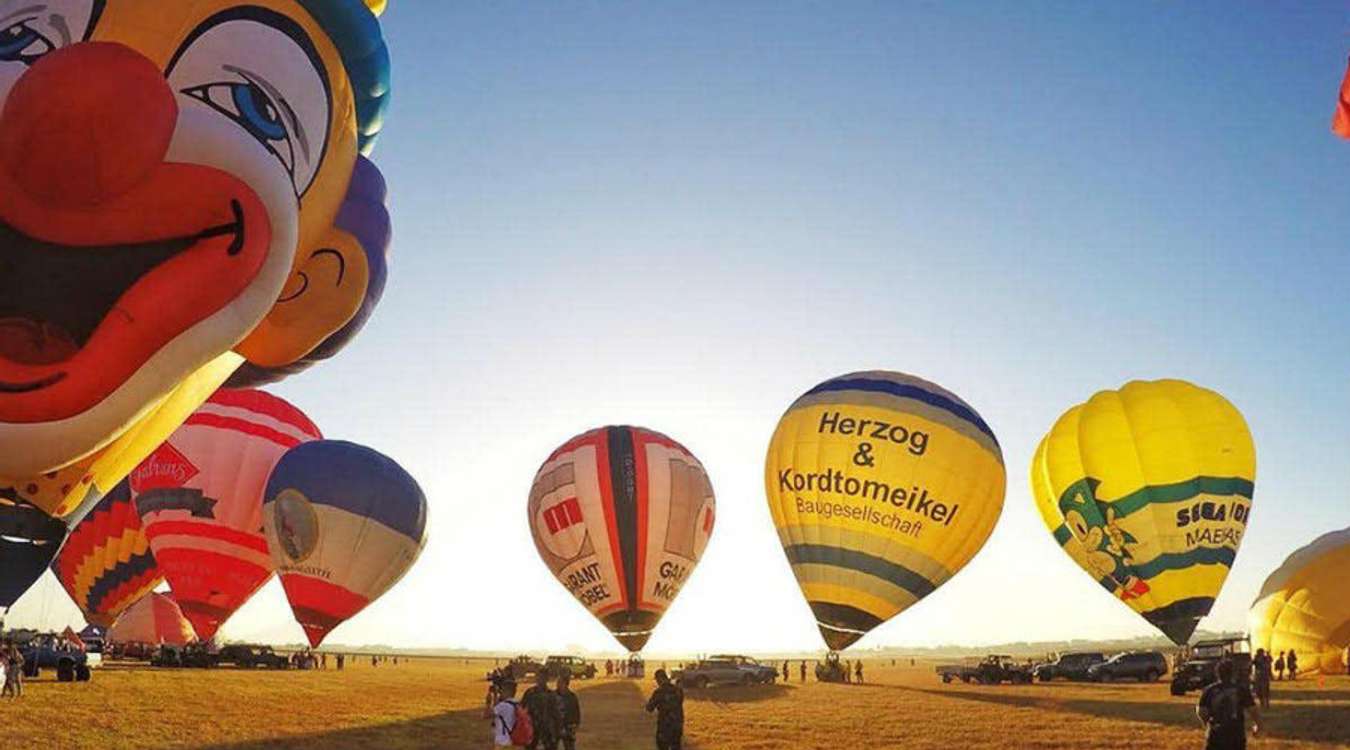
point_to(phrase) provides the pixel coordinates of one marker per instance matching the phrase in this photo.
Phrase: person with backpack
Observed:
(570, 706)
(668, 703)
(1261, 667)
(1222, 708)
(505, 714)
(545, 713)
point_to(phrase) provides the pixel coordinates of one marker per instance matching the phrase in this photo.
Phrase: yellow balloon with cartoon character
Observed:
(184, 199)
(1149, 489)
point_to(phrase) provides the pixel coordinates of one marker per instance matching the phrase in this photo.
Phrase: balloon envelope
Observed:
(106, 564)
(155, 619)
(29, 539)
(200, 499)
(1304, 606)
(621, 516)
(344, 524)
(882, 486)
(1148, 489)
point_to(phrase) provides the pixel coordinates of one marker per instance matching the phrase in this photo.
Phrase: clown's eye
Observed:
(249, 105)
(22, 43)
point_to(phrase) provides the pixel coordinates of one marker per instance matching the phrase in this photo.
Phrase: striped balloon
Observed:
(882, 486)
(153, 620)
(1148, 489)
(344, 523)
(200, 499)
(621, 516)
(106, 564)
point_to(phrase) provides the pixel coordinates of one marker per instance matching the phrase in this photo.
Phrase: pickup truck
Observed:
(49, 652)
(992, 670)
(725, 669)
(575, 666)
(249, 656)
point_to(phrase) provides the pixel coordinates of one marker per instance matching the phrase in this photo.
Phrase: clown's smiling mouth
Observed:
(54, 297)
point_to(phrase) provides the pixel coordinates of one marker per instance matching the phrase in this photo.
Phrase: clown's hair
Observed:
(355, 30)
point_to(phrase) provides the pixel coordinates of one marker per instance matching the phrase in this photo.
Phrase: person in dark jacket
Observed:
(668, 703)
(1223, 708)
(1261, 673)
(803, 670)
(1292, 661)
(545, 713)
(570, 707)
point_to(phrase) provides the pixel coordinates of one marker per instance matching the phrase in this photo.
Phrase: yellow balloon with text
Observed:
(882, 486)
(1148, 489)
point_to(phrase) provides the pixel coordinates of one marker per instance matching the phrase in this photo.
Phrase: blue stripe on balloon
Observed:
(903, 390)
(355, 479)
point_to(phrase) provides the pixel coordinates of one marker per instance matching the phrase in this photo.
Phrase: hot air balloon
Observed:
(200, 496)
(153, 620)
(1149, 489)
(882, 486)
(163, 224)
(29, 539)
(106, 564)
(1304, 606)
(621, 516)
(344, 524)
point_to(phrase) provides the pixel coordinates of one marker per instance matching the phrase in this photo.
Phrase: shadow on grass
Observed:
(611, 714)
(1309, 723)
(721, 694)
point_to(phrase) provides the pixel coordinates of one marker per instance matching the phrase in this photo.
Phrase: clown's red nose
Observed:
(86, 123)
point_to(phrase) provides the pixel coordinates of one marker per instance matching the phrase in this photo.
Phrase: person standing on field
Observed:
(785, 670)
(501, 711)
(857, 672)
(1279, 667)
(1261, 677)
(1223, 708)
(803, 670)
(1293, 665)
(545, 711)
(571, 712)
(14, 673)
(668, 703)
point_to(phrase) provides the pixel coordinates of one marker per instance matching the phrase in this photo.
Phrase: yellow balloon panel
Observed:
(882, 486)
(1304, 606)
(1149, 489)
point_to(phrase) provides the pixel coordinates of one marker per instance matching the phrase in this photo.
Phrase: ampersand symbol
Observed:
(864, 455)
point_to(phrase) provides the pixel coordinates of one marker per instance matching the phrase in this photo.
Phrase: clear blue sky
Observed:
(683, 215)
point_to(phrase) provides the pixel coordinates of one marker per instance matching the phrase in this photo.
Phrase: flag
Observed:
(1340, 124)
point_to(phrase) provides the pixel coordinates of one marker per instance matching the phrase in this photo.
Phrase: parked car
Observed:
(524, 666)
(250, 656)
(49, 652)
(725, 670)
(993, 669)
(575, 666)
(1198, 670)
(1071, 666)
(194, 655)
(1144, 666)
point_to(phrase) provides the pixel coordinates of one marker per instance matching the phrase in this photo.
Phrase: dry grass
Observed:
(434, 703)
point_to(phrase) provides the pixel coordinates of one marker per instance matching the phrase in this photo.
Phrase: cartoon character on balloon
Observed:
(186, 202)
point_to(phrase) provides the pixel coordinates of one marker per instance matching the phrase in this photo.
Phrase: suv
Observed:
(725, 669)
(1144, 666)
(1199, 668)
(523, 666)
(1073, 666)
(249, 656)
(999, 668)
(575, 666)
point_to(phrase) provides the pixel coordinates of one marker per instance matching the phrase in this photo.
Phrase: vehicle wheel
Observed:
(965, 678)
(1150, 676)
(83, 673)
(946, 678)
(65, 671)
(701, 683)
(1045, 677)
(1178, 689)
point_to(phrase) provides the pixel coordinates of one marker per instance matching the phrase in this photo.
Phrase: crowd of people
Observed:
(547, 718)
(1226, 705)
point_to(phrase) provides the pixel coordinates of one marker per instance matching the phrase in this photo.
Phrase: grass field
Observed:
(437, 704)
